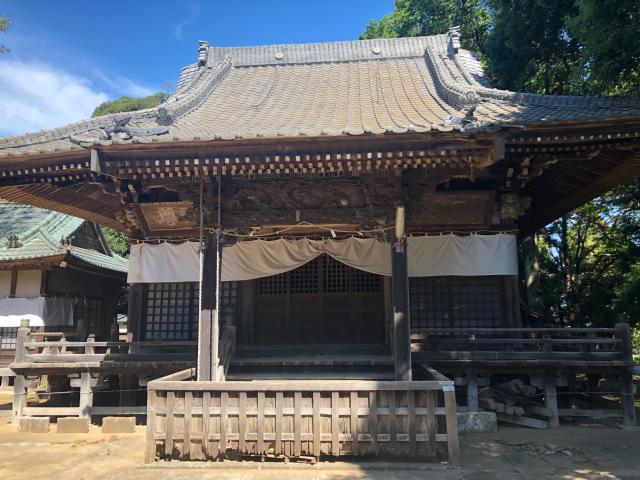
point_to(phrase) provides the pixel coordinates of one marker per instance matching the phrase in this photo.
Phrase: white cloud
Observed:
(36, 96)
(194, 12)
(122, 85)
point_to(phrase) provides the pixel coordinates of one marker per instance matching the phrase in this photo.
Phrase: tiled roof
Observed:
(340, 88)
(39, 233)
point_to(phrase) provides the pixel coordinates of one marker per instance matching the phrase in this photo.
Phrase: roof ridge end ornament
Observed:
(454, 40)
(203, 52)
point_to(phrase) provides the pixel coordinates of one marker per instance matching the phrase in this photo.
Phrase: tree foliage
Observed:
(529, 47)
(588, 260)
(117, 241)
(4, 26)
(430, 17)
(129, 104)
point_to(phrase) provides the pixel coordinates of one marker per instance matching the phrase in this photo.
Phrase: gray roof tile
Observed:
(339, 88)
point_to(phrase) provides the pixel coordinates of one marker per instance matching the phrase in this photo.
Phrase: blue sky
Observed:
(68, 56)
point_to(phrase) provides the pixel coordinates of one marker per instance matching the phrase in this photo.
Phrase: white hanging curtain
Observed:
(428, 256)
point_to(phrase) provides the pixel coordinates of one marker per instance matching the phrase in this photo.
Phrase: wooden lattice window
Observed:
(8, 338)
(457, 302)
(171, 309)
(89, 311)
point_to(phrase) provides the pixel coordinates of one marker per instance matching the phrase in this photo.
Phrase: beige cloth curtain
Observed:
(428, 256)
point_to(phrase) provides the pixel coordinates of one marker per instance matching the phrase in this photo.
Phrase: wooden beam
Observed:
(400, 287)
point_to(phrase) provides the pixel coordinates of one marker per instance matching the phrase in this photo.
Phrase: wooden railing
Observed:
(590, 346)
(301, 418)
(62, 351)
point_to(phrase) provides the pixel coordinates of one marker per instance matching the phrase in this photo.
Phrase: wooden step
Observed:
(305, 360)
(306, 375)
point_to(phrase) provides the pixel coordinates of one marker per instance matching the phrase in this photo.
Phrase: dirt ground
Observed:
(586, 452)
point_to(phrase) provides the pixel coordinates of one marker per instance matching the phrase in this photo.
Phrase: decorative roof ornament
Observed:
(469, 121)
(120, 132)
(164, 117)
(13, 241)
(203, 49)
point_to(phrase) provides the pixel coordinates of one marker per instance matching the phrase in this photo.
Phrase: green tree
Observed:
(4, 26)
(117, 241)
(430, 17)
(129, 104)
(530, 48)
(609, 32)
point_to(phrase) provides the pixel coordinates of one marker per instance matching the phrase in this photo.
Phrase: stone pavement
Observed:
(512, 453)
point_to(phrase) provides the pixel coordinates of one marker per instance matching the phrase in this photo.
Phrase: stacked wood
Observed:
(514, 402)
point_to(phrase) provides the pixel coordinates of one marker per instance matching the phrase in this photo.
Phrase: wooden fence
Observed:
(539, 346)
(85, 363)
(192, 420)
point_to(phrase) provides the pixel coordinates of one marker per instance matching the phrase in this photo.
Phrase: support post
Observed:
(19, 382)
(551, 398)
(472, 390)
(400, 288)
(86, 395)
(207, 306)
(626, 377)
(134, 312)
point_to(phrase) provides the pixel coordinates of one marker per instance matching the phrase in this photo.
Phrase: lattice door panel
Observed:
(323, 301)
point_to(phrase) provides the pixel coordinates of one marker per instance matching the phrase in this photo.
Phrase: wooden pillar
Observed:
(623, 332)
(551, 398)
(400, 287)
(86, 395)
(451, 419)
(247, 292)
(208, 326)
(134, 311)
(19, 382)
(512, 302)
(628, 400)
(472, 391)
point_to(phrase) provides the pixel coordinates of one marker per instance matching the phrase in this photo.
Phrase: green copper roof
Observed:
(39, 233)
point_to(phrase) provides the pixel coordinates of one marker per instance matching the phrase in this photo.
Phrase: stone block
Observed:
(33, 424)
(72, 425)
(477, 422)
(118, 424)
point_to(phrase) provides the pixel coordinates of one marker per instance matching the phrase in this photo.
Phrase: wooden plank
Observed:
(353, 403)
(316, 425)
(297, 385)
(279, 423)
(150, 445)
(393, 423)
(188, 427)
(432, 423)
(453, 443)
(260, 440)
(373, 420)
(168, 428)
(589, 413)
(411, 417)
(335, 424)
(206, 404)
(242, 421)
(224, 403)
(297, 423)
(522, 421)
